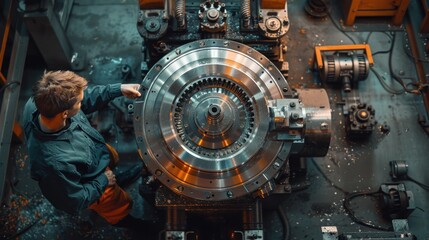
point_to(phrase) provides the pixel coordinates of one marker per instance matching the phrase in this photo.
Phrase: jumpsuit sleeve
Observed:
(97, 97)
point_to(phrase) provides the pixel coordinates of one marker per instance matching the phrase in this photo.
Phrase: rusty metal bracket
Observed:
(273, 4)
(332, 48)
(151, 4)
(9, 104)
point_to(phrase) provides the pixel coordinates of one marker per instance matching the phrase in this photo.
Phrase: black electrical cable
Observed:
(348, 197)
(352, 215)
(285, 222)
(327, 179)
(380, 79)
(422, 185)
(8, 85)
(335, 23)
(381, 51)
(384, 84)
(395, 76)
(339, 28)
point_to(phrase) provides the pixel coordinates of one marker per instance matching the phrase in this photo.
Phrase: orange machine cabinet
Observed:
(375, 8)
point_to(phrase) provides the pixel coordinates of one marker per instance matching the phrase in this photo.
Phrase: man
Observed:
(68, 157)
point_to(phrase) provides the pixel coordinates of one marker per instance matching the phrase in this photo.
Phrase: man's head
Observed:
(59, 92)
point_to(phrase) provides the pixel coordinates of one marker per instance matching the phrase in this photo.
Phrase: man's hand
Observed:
(110, 177)
(131, 90)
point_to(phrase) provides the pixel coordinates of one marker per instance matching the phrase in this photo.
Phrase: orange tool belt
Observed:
(115, 203)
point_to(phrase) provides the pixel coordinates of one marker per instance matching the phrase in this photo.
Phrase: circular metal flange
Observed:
(202, 121)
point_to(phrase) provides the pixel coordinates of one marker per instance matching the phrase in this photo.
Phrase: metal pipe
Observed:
(176, 219)
(252, 217)
(168, 8)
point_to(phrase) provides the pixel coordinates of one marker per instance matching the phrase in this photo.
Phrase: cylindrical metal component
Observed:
(398, 169)
(345, 67)
(316, 8)
(180, 14)
(176, 219)
(168, 8)
(245, 13)
(317, 135)
(252, 217)
(347, 84)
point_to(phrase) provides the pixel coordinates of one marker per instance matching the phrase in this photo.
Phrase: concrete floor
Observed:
(106, 32)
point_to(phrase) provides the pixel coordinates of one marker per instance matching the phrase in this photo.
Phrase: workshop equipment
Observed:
(217, 120)
(379, 8)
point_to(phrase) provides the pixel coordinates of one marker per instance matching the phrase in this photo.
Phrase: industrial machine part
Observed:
(166, 25)
(152, 24)
(400, 232)
(397, 202)
(316, 8)
(345, 67)
(398, 169)
(212, 16)
(368, 8)
(318, 50)
(274, 24)
(217, 121)
(344, 64)
(360, 120)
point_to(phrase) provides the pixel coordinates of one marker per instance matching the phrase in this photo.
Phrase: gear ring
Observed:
(216, 134)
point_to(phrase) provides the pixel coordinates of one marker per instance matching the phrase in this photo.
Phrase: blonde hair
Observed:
(57, 91)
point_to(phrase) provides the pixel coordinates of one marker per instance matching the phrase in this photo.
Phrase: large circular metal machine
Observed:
(217, 122)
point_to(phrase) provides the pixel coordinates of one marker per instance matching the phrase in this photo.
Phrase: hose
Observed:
(285, 222)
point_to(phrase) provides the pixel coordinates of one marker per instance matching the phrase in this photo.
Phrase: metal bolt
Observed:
(287, 188)
(229, 194)
(295, 116)
(208, 195)
(158, 172)
(292, 104)
(323, 126)
(180, 188)
(276, 165)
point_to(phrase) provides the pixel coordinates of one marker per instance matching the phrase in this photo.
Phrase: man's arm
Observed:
(97, 97)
